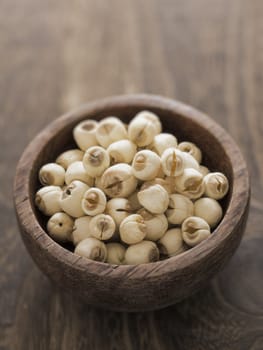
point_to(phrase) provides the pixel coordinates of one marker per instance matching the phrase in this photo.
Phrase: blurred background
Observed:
(55, 55)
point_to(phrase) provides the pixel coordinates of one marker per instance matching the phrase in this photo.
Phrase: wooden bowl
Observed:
(147, 286)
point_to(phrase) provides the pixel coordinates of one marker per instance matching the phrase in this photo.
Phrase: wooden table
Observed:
(58, 54)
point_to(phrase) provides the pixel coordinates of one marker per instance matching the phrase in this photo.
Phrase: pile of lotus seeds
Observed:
(130, 194)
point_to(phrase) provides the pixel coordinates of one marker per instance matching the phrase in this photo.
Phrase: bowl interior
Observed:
(184, 128)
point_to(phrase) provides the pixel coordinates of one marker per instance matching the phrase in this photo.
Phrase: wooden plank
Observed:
(55, 55)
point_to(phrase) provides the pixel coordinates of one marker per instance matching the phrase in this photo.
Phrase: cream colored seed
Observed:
(132, 229)
(110, 129)
(85, 134)
(81, 229)
(180, 207)
(146, 165)
(121, 151)
(119, 181)
(150, 117)
(92, 248)
(192, 149)
(156, 224)
(172, 162)
(93, 201)
(76, 171)
(175, 161)
(68, 157)
(195, 230)
(190, 161)
(71, 198)
(102, 227)
(141, 253)
(52, 174)
(163, 141)
(95, 161)
(157, 181)
(142, 131)
(118, 209)
(203, 170)
(190, 183)
(171, 243)
(154, 198)
(209, 210)
(47, 200)
(60, 227)
(216, 185)
(115, 253)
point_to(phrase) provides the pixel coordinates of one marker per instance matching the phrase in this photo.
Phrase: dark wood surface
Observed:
(143, 287)
(57, 54)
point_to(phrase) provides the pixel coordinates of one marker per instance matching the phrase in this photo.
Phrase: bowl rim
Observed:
(237, 206)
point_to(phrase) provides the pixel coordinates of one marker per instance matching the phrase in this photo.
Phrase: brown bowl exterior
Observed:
(147, 286)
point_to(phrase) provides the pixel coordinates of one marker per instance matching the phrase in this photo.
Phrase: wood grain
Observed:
(55, 55)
